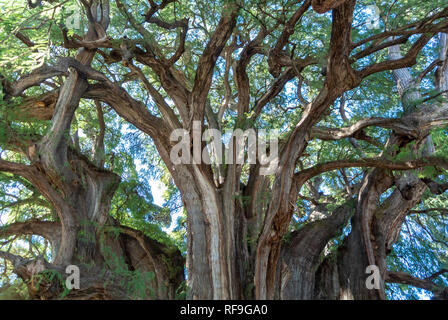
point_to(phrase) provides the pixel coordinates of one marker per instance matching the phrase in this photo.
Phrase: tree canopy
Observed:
(91, 90)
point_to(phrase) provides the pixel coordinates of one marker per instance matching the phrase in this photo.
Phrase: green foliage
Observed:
(53, 277)
(133, 156)
(137, 284)
(14, 290)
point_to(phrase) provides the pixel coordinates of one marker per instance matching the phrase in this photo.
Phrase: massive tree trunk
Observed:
(375, 225)
(240, 245)
(236, 247)
(111, 258)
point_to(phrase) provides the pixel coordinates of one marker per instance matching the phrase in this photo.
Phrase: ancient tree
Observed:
(359, 100)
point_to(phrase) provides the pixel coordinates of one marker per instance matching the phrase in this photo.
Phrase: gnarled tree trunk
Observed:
(240, 245)
(80, 192)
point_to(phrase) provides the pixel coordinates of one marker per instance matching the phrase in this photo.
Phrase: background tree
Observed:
(92, 91)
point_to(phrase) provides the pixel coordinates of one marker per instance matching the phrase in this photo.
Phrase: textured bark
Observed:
(102, 280)
(375, 227)
(239, 241)
(302, 254)
(80, 192)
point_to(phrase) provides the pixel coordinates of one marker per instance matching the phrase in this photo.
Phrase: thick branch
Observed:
(277, 56)
(322, 6)
(130, 109)
(307, 174)
(408, 60)
(47, 229)
(405, 278)
(16, 260)
(206, 64)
